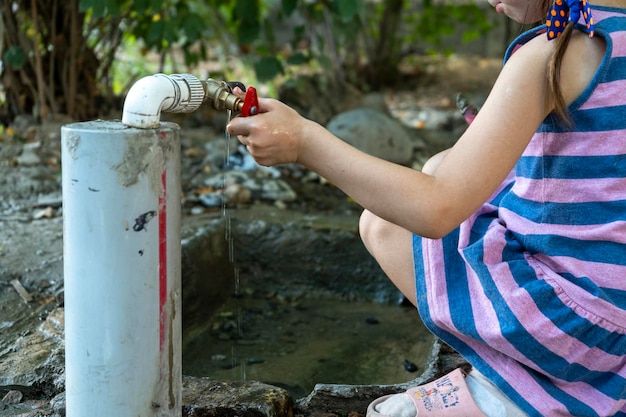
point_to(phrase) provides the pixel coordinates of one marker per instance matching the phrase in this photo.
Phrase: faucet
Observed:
(182, 93)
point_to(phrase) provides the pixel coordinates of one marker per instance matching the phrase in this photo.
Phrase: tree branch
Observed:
(41, 85)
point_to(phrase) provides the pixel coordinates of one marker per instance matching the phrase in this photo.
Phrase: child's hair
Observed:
(554, 75)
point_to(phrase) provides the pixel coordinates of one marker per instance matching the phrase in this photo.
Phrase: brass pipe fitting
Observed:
(218, 94)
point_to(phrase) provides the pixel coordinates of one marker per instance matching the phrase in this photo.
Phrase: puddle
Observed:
(310, 308)
(297, 344)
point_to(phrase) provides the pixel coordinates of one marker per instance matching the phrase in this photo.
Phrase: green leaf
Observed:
(298, 59)
(345, 31)
(266, 68)
(154, 34)
(246, 14)
(289, 6)
(14, 57)
(248, 32)
(470, 35)
(170, 31)
(84, 5)
(347, 9)
(100, 8)
(193, 25)
(141, 6)
(113, 7)
(325, 62)
(247, 10)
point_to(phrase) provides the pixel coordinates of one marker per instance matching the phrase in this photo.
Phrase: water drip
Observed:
(236, 362)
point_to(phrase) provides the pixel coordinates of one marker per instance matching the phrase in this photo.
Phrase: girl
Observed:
(512, 244)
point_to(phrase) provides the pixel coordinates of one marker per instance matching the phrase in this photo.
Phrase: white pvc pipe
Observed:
(121, 212)
(176, 93)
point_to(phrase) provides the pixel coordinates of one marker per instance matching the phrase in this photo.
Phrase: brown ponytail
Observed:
(554, 76)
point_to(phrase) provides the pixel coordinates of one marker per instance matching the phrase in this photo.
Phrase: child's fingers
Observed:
(239, 92)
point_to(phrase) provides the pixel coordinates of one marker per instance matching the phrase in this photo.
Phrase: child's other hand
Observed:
(273, 136)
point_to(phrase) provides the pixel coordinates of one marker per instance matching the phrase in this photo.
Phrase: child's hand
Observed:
(273, 136)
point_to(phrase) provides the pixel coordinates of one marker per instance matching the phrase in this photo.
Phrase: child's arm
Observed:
(429, 205)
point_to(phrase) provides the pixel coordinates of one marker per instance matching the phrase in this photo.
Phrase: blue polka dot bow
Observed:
(564, 11)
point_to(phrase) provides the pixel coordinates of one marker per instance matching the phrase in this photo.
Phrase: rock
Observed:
(238, 179)
(36, 360)
(318, 97)
(22, 122)
(203, 397)
(53, 199)
(45, 213)
(375, 101)
(375, 133)
(29, 154)
(243, 186)
(13, 397)
(409, 366)
(212, 199)
(345, 399)
(58, 404)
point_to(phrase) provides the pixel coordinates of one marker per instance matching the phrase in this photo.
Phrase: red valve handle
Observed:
(250, 103)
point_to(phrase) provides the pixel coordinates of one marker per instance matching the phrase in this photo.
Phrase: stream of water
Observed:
(238, 365)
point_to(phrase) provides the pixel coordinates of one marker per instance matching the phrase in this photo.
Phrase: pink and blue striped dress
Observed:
(532, 288)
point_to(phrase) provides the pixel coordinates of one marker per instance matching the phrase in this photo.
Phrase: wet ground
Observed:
(297, 345)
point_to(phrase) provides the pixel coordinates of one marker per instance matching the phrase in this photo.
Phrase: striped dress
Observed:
(531, 289)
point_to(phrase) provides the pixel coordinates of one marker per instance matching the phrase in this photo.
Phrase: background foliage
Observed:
(75, 56)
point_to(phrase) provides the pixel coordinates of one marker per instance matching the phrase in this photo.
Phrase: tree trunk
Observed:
(51, 59)
(384, 58)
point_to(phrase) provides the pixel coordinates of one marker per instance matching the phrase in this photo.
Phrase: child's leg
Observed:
(392, 247)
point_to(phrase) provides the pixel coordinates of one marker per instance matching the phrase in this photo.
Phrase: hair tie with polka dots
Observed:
(564, 11)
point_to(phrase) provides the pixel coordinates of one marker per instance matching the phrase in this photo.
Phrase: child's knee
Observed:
(366, 224)
(374, 231)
